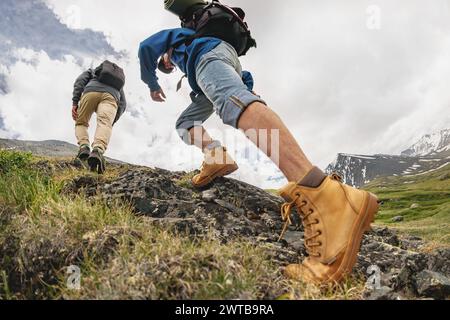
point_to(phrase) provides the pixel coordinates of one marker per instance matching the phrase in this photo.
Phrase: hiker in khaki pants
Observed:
(108, 101)
(105, 106)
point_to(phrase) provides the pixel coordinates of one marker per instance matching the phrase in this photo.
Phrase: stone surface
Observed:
(209, 195)
(383, 293)
(433, 284)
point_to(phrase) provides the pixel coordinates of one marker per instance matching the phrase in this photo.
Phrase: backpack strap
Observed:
(236, 16)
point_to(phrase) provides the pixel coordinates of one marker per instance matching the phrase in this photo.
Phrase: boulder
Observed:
(433, 285)
(383, 293)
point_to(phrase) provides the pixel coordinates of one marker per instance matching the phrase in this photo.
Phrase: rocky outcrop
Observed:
(231, 209)
(405, 269)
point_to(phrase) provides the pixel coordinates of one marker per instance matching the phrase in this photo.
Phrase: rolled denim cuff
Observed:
(236, 105)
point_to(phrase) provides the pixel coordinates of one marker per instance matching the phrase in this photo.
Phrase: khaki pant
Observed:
(105, 106)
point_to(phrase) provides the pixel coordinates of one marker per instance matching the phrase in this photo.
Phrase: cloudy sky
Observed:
(350, 76)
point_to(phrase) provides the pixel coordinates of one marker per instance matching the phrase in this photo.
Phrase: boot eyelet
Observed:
(319, 232)
(317, 221)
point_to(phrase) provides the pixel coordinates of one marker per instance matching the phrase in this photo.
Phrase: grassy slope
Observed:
(121, 255)
(422, 200)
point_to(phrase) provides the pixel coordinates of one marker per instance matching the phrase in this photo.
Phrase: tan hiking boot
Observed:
(218, 163)
(334, 216)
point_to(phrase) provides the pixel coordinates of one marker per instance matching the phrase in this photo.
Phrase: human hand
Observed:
(167, 61)
(158, 96)
(75, 112)
(165, 64)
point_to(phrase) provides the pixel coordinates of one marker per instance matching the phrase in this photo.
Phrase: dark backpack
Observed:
(110, 74)
(222, 22)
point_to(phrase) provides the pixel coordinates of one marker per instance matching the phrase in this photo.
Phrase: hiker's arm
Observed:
(151, 50)
(148, 58)
(79, 86)
(247, 78)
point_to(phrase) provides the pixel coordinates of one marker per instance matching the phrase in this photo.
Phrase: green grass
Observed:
(12, 161)
(121, 255)
(272, 191)
(186, 180)
(422, 200)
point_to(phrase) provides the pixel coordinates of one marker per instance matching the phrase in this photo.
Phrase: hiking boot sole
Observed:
(96, 165)
(222, 172)
(362, 225)
(80, 164)
(83, 157)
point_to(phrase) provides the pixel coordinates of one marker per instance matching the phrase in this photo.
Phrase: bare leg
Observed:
(200, 138)
(292, 161)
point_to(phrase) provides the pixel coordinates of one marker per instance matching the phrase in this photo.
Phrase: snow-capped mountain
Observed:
(431, 143)
(428, 154)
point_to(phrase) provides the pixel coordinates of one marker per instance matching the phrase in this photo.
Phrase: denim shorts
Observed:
(219, 75)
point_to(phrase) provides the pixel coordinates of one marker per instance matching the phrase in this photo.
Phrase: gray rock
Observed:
(439, 261)
(229, 206)
(411, 265)
(432, 284)
(398, 219)
(296, 240)
(209, 195)
(383, 293)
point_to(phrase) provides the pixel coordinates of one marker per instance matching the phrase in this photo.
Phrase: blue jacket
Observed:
(154, 47)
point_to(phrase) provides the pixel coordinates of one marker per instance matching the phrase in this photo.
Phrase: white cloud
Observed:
(37, 103)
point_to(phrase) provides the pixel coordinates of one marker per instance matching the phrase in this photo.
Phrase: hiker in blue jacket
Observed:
(202, 62)
(207, 50)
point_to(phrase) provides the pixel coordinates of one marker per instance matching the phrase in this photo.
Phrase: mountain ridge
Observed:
(431, 152)
(430, 144)
(45, 148)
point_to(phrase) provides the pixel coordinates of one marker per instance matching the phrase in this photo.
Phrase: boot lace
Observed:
(286, 210)
(337, 177)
